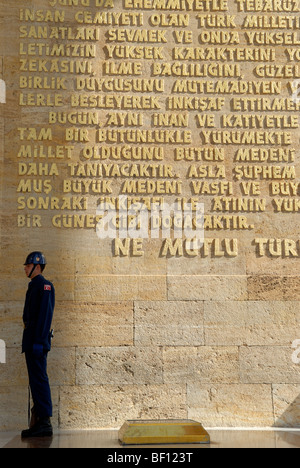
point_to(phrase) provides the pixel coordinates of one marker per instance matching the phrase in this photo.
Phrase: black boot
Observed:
(42, 428)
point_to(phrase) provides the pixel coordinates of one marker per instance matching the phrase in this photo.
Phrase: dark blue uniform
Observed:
(36, 343)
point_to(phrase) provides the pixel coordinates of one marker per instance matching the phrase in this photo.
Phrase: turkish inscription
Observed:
(156, 101)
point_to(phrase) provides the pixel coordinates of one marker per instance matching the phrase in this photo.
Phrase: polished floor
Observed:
(220, 438)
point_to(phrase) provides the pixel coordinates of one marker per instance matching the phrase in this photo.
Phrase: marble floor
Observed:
(220, 438)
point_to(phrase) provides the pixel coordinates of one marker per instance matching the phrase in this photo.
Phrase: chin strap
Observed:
(34, 267)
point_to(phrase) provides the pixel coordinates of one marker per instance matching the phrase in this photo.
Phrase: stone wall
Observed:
(154, 328)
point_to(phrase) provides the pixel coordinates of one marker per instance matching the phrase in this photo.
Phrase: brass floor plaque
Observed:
(170, 431)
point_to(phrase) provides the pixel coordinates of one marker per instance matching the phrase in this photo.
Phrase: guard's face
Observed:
(28, 268)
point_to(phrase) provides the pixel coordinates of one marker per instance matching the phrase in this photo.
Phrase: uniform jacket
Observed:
(38, 314)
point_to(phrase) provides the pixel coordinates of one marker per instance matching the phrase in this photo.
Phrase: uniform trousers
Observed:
(39, 384)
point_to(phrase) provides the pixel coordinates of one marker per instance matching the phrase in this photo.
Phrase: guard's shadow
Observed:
(290, 419)
(291, 416)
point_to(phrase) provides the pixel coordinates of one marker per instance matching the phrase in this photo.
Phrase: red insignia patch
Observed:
(47, 287)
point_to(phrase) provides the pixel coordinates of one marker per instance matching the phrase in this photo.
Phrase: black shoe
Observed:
(42, 428)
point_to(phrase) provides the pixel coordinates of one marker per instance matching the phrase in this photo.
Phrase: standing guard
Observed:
(37, 318)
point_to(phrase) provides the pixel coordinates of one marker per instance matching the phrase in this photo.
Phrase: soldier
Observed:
(37, 318)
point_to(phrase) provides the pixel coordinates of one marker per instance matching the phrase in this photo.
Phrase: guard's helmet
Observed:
(36, 258)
